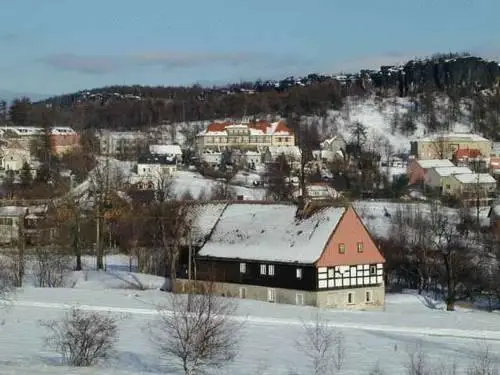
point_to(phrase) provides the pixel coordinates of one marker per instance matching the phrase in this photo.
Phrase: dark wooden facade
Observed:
(283, 275)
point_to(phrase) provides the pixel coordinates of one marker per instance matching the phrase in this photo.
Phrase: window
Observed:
(270, 270)
(243, 293)
(373, 270)
(341, 248)
(299, 273)
(360, 247)
(243, 267)
(299, 299)
(350, 298)
(271, 295)
(368, 296)
(263, 269)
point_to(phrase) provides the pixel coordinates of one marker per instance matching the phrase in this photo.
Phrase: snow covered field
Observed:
(267, 342)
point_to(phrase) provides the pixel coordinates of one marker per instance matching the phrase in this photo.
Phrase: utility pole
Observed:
(99, 254)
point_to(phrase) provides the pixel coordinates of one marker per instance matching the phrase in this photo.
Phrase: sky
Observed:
(52, 47)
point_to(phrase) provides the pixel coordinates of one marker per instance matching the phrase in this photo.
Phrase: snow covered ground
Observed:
(268, 338)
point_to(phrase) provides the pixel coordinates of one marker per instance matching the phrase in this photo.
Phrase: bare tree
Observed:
(484, 363)
(82, 338)
(51, 267)
(417, 362)
(197, 332)
(7, 277)
(323, 345)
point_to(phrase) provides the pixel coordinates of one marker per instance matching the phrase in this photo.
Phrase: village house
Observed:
(418, 168)
(167, 150)
(211, 158)
(152, 170)
(62, 139)
(273, 252)
(18, 222)
(472, 188)
(291, 153)
(123, 144)
(439, 178)
(13, 159)
(445, 145)
(331, 149)
(317, 191)
(246, 135)
(252, 159)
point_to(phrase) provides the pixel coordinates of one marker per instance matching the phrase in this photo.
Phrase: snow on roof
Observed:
(270, 232)
(453, 136)
(257, 128)
(435, 163)
(475, 178)
(205, 217)
(165, 149)
(9, 211)
(448, 171)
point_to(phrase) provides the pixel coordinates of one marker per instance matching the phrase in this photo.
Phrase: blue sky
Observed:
(58, 46)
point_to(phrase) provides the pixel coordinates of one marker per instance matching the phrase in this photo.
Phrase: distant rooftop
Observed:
(435, 163)
(453, 136)
(448, 171)
(475, 178)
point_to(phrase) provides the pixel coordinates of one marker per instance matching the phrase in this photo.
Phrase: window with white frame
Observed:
(243, 267)
(270, 270)
(373, 270)
(263, 269)
(298, 273)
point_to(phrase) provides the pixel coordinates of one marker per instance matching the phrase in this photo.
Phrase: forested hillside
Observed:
(464, 81)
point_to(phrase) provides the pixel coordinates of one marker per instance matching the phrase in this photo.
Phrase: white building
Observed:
(439, 177)
(211, 158)
(121, 143)
(252, 159)
(258, 135)
(13, 159)
(156, 166)
(168, 150)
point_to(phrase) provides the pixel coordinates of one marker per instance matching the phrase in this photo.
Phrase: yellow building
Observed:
(471, 187)
(445, 145)
(259, 135)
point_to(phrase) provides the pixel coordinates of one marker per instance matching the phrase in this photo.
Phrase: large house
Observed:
(273, 252)
(418, 168)
(167, 150)
(63, 139)
(439, 178)
(472, 188)
(247, 135)
(13, 159)
(446, 145)
(125, 144)
(331, 149)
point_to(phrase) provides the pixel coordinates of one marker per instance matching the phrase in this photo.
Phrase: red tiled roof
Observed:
(261, 125)
(282, 127)
(218, 126)
(465, 153)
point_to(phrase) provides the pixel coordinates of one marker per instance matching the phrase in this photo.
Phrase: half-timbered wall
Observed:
(350, 276)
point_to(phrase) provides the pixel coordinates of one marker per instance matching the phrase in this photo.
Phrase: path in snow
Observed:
(442, 332)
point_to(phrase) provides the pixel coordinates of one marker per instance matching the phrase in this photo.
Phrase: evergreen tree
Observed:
(25, 176)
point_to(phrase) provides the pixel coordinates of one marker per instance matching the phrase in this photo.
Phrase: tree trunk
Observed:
(450, 292)
(78, 252)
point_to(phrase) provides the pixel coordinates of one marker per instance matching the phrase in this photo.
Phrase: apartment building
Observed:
(446, 145)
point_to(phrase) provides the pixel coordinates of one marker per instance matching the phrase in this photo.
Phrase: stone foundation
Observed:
(367, 298)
